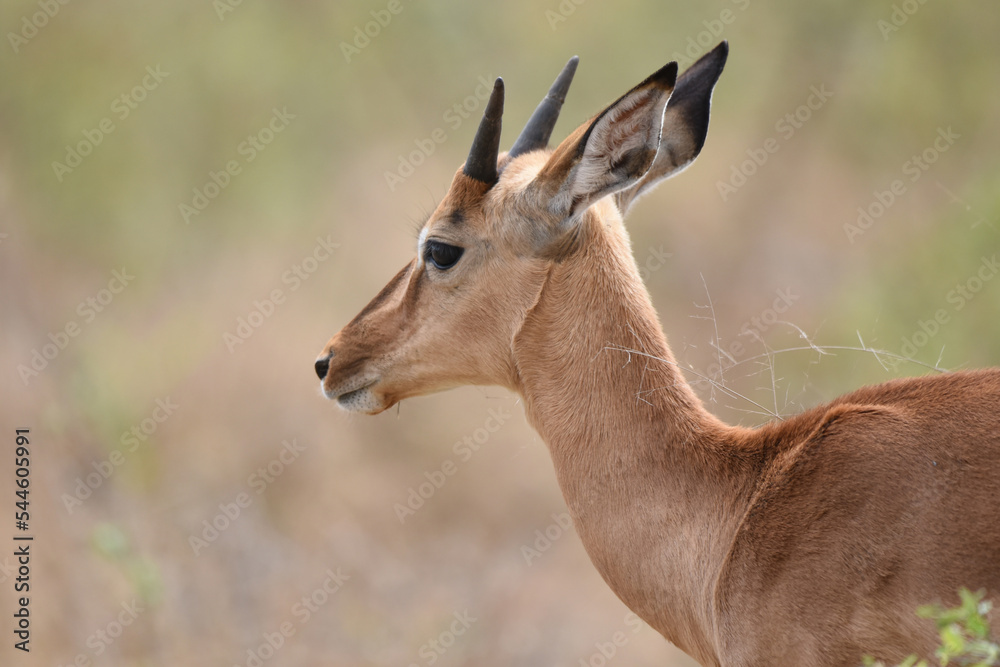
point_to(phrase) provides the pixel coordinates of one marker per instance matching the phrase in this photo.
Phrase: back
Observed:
(884, 500)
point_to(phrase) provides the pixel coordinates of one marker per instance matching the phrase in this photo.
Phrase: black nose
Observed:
(322, 366)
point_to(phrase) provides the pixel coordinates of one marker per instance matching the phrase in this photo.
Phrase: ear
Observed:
(685, 124)
(611, 152)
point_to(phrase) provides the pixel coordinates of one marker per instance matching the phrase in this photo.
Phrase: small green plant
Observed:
(965, 634)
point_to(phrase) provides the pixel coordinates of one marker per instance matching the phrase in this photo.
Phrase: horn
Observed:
(482, 161)
(538, 129)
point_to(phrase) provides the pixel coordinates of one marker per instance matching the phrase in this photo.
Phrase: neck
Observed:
(643, 467)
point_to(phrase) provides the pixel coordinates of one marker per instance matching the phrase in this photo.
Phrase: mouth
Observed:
(351, 397)
(355, 395)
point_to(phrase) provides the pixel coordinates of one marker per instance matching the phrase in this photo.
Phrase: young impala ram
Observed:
(807, 541)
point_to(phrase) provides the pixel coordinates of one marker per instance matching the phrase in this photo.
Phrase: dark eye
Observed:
(442, 255)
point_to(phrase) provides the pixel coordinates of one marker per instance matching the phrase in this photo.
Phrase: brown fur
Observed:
(808, 541)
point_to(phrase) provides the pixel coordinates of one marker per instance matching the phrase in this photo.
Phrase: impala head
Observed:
(451, 315)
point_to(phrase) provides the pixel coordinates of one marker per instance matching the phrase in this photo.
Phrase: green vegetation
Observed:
(965, 634)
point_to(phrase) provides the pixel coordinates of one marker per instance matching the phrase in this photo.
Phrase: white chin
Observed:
(361, 400)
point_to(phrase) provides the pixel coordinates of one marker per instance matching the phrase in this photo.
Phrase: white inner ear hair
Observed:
(631, 125)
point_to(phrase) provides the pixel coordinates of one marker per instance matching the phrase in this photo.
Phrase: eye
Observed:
(442, 255)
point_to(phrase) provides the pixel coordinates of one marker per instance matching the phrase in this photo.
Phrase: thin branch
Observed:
(732, 393)
(716, 343)
(768, 355)
(877, 358)
(825, 349)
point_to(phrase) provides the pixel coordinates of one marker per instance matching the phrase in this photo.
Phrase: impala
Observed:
(807, 541)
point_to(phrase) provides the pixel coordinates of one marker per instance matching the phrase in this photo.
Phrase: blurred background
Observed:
(194, 196)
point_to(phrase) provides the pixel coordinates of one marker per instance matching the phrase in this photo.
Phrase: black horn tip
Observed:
(494, 108)
(561, 85)
(538, 129)
(482, 162)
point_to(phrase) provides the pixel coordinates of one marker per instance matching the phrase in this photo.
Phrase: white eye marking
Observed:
(420, 246)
